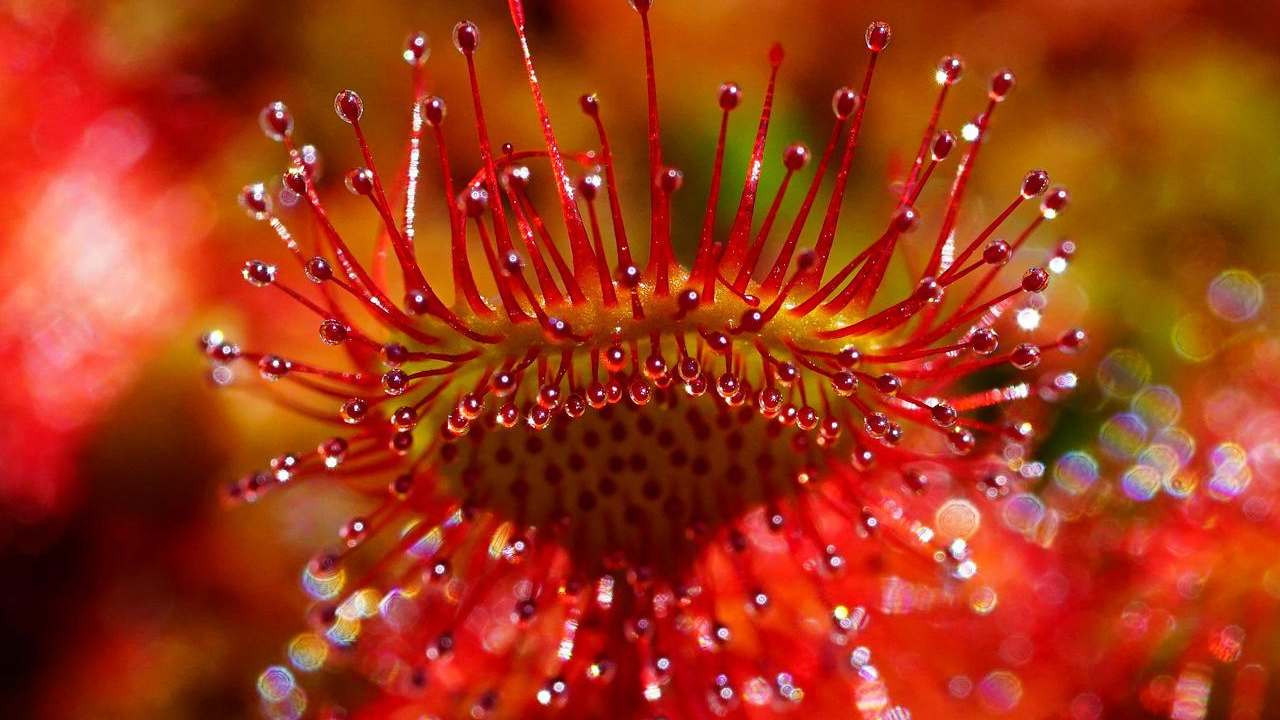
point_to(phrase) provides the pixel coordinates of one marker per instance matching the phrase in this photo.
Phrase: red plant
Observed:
(613, 488)
(1168, 581)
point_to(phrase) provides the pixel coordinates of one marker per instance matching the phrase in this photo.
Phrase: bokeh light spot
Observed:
(1000, 691)
(1141, 482)
(308, 651)
(1235, 295)
(957, 518)
(1123, 372)
(1194, 337)
(1123, 436)
(1023, 513)
(275, 683)
(1158, 405)
(1075, 472)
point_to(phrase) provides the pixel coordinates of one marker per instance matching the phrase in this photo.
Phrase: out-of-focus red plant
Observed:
(93, 237)
(1160, 596)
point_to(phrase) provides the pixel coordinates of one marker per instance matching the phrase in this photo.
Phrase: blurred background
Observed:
(129, 126)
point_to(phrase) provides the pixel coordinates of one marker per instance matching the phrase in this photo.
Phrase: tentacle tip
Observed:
(878, 35)
(466, 37)
(776, 54)
(417, 48)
